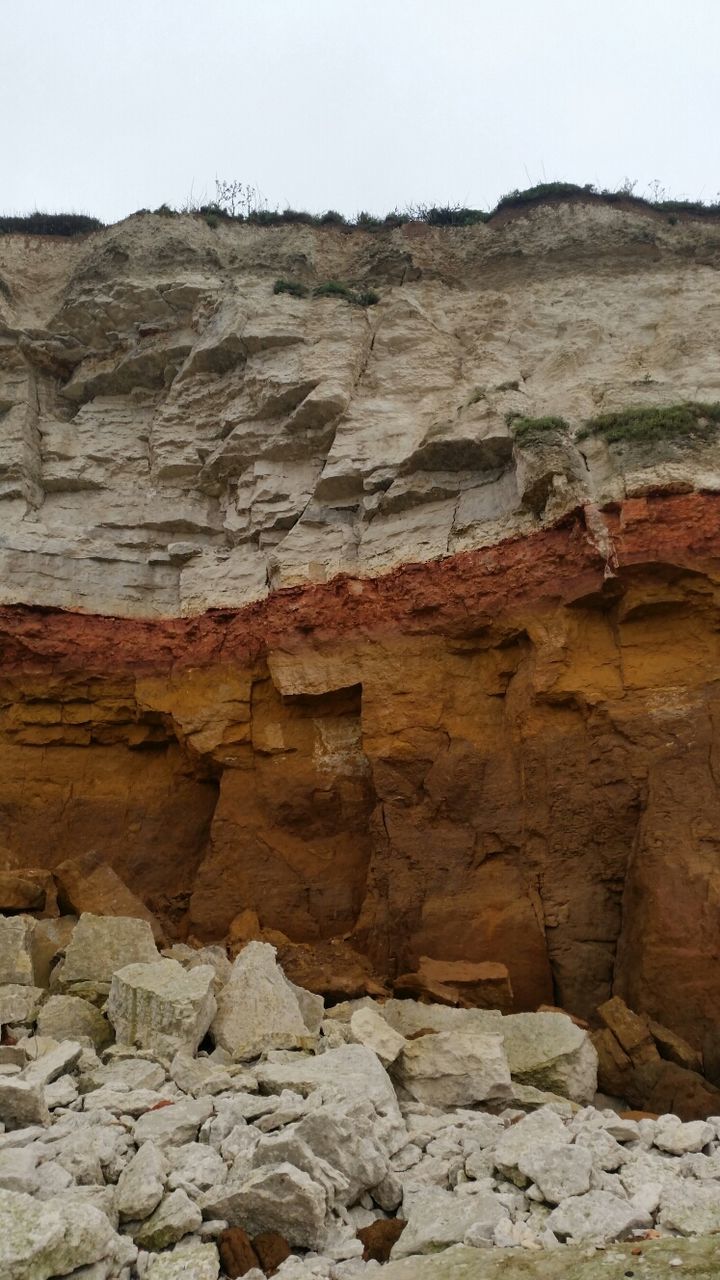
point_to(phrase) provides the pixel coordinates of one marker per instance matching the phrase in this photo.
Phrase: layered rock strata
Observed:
(293, 621)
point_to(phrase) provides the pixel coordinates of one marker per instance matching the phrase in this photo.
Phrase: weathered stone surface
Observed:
(540, 1128)
(368, 1028)
(351, 1074)
(548, 1051)
(697, 1259)
(102, 945)
(275, 1198)
(89, 885)
(193, 1261)
(598, 1216)
(286, 442)
(173, 1125)
(70, 1018)
(141, 1184)
(558, 1172)
(436, 1220)
(691, 1208)
(454, 1069)
(175, 1216)
(16, 965)
(161, 1006)
(21, 1103)
(20, 893)
(257, 1009)
(19, 1003)
(485, 985)
(38, 1240)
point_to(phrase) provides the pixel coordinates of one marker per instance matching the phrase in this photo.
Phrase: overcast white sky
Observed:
(111, 105)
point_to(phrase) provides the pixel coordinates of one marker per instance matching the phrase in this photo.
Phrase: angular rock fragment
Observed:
(20, 893)
(22, 1103)
(16, 959)
(482, 985)
(161, 1006)
(277, 1197)
(187, 1261)
(173, 1125)
(548, 1051)
(540, 1128)
(101, 945)
(141, 1184)
(70, 1018)
(88, 884)
(39, 1240)
(452, 1069)
(368, 1028)
(599, 1216)
(175, 1216)
(349, 1074)
(19, 1003)
(558, 1172)
(257, 1009)
(436, 1220)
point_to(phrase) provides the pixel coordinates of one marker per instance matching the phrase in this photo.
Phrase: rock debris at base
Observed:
(172, 1116)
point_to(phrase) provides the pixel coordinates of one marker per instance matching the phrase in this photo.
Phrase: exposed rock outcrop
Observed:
(295, 621)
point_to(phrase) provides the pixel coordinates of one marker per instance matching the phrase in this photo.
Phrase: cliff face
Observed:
(291, 619)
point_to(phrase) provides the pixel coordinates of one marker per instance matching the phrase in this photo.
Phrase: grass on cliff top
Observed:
(535, 430)
(49, 224)
(693, 419)
(433, 215)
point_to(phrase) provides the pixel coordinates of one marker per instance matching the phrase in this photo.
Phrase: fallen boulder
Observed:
(454, 1069)
(549, 1052)
(162, 1006)
(279, 1198)
(258, 1009)
(89, 884)
(16, 958)
(100, 945)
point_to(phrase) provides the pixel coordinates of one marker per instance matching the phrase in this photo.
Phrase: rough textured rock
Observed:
(258, 1008)
(454, 1069)
(70, 1018)
(102, 945)
(451, 691)
(161, 1006)
(277, 1197)
(548, 1051)
(16, 959)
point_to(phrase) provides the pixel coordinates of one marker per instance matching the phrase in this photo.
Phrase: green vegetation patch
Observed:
(693, 419)
(49, 224)
(535, 430)
(293, 287)
(336, 289)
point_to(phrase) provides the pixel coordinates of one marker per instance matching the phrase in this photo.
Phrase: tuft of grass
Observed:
(50, 224)
(165, 211)
(293, 287)
(693, 419)
(534, 430)
(336, 289)
(512, 385)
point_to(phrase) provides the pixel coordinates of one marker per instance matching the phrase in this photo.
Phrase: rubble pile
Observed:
(175, 1116)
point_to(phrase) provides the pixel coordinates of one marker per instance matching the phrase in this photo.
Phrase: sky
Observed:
(109, 106)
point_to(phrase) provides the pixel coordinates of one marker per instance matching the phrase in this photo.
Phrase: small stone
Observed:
(237, 1254)
(22, 1103)
(19, 1002)
(16, 962)
(272, 1249)
(378, 1238)
(187, 1261)
(543, 1127)
(141, 1184)
(161, 1006)
(61, 1093)
(53, 1063)
(173, 1125)
(678, 1138)
(368, 1028)
(174, 1217)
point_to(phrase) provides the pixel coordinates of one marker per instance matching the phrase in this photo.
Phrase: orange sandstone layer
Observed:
(508, 755)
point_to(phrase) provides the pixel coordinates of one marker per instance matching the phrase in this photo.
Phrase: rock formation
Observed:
(295, 620)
